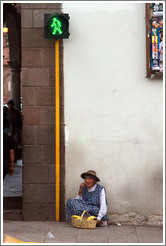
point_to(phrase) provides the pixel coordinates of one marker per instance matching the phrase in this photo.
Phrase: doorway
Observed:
(12, 185)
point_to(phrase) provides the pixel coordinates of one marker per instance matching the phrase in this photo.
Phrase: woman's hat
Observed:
(90, 173)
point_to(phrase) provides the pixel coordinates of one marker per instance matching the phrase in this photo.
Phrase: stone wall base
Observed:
(135, 219)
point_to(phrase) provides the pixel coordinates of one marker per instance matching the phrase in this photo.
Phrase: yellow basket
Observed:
(83, 222)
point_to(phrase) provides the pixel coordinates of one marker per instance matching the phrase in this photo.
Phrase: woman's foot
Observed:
(102, 223)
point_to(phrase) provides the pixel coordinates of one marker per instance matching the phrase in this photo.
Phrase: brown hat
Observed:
(90, 173)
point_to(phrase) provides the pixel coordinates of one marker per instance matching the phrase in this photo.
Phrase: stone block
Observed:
(47, 115)
(35, 212)
(38, 17)
(54, 6)
(62, 174)
(34, 5)
(61, 96)
(48, 154)
(61, 77)
(62, 211)
(45, 135)
(31, 57)
(26, 18)
(32, 154)
(28, 135)
(61, 56)
(52, 77)
(46, 193)
(33, 38)
(51, 212)
(35, 175)
(62, 119)
(48, 59)
(29, 96)
(29, 191)
(62, 135)
(31, 115)
(52, 174)
(62, 153)
(37, 77)
(45, 96)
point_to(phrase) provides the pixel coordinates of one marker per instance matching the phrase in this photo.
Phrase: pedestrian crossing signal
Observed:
(56, 26)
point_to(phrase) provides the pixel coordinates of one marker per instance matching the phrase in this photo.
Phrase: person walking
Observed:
(15, 121)
(8, 152)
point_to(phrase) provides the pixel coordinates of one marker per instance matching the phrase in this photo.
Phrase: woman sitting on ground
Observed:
(91, 197)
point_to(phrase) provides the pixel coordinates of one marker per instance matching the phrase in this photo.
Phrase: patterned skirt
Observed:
(77, 206)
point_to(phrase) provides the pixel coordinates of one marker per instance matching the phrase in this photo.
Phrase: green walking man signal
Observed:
(56, 26)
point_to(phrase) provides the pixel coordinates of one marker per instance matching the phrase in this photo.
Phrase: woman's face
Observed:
(89, 182)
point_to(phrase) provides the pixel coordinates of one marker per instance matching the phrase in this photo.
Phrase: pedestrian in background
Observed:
(6, 117)
(8, 152)
(15, 120)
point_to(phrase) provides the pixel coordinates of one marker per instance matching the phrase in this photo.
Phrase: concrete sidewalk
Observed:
(63, 232)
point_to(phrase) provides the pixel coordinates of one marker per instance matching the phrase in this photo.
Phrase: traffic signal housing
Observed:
(56, 26)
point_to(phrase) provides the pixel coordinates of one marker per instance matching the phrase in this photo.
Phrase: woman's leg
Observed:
(76, 207)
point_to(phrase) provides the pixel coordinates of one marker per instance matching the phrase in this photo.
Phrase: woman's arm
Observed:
(12, 157)
(103, 205)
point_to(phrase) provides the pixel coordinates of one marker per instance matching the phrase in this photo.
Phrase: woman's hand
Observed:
(81, 188)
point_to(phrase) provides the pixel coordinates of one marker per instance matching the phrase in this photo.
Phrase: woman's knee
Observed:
(69, 202)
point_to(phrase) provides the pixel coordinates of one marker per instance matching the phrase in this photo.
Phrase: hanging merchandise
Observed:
(157, 9)
(157, 37)
(160, 38)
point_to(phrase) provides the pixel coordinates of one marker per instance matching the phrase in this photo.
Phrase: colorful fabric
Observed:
(90, 203)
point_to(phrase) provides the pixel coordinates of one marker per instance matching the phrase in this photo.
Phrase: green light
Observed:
(56, 26)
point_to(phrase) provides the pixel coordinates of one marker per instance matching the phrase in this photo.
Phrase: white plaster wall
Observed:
(113, 114)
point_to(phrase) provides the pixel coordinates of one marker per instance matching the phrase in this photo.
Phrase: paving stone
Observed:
(62, 239)
(97, 235)
(122, 234)
(64, 232)
(31, 237)
(149, 234)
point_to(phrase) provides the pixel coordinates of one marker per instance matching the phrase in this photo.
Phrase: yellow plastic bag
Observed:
(9, 239)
